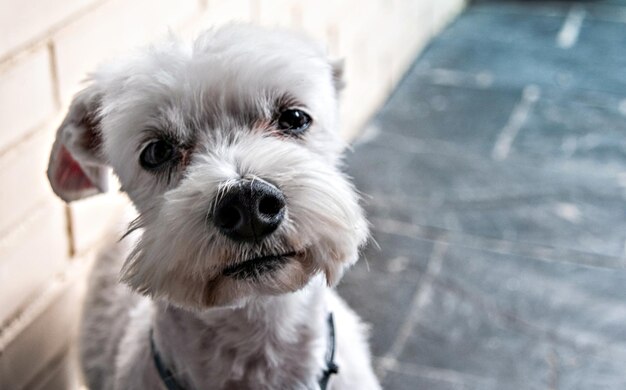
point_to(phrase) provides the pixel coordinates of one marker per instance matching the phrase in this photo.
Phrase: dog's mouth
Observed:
(256, 267)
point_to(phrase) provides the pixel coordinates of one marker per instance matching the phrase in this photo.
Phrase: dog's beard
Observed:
(222, 275)
(199, 272)
(182, 258)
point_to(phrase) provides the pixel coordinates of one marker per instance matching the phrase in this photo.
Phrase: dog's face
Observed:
(229, 149)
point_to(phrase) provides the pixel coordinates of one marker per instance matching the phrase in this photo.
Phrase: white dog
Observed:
(229, 150)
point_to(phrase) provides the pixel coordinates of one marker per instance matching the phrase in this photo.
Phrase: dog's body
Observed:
(277, 344)
(229, 151)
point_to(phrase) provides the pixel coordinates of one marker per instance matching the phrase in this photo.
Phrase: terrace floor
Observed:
(495, 181)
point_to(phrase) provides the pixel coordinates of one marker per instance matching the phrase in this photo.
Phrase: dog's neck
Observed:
(280, 337)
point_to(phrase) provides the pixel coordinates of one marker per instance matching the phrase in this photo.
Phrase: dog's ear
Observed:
(337, 67)
(77, 168)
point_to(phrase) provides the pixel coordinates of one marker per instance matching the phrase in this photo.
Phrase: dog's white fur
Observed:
(217, 99)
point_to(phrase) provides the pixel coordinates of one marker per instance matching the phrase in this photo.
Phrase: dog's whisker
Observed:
(133, 226)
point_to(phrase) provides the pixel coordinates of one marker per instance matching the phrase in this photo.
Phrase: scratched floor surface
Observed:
(495, 181)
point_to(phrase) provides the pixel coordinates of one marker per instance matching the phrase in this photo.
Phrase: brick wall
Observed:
(46, 48)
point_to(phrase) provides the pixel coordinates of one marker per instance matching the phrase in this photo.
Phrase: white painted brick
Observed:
(444, 11)
(318, 21)
(22, 21)
(220, 12)
(45, 330)
(31, 254)
(95, 217)
(279, 13)
(109, 30)
(63, 373)
(26, 97)
(360, 44)
(216, 14)
(23, 173)
(419, 28)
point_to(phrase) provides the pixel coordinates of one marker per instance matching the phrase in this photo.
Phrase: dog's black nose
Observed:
(250, 211)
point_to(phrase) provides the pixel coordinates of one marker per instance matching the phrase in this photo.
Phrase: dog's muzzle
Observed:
(250, 211)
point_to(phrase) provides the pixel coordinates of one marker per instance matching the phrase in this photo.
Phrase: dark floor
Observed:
(495, 179)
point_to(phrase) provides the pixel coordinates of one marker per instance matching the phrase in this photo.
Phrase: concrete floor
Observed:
(495, 181)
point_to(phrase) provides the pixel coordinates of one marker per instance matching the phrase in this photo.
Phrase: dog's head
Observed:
(229, 149)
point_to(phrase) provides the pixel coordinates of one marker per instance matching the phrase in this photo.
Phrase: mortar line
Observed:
(421, 297)
(41, 38)
(553, 369)
(440, 374)
(69, 231)
(502, 146)
(54, 74)
(568, 35)
(537, 251)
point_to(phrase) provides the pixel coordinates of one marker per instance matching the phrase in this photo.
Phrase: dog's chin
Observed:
(256, 268)
(266, 275)
(223, 276)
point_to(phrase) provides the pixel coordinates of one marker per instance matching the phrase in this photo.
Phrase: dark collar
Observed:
(169, 380)
(166, 375)
(331, 366)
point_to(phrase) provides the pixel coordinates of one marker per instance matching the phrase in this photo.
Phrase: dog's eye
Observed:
(293, 120)
(156, 154)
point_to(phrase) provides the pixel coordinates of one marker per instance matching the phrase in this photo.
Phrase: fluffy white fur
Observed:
(217, 100)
